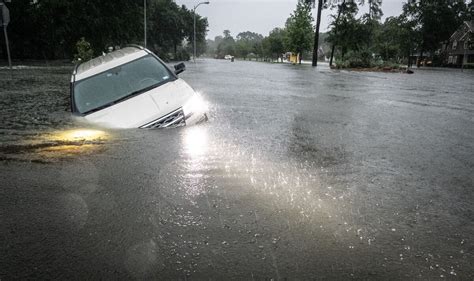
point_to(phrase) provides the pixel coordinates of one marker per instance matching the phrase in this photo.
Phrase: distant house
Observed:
(460, 48)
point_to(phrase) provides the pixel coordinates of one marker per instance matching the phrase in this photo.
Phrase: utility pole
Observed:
(340, 10)
(316, 34)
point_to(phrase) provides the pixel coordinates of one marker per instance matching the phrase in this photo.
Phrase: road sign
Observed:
(5, 15)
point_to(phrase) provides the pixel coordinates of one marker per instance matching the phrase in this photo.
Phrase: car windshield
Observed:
(118, 83)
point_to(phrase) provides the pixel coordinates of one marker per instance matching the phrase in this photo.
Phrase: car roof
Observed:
(108, 61)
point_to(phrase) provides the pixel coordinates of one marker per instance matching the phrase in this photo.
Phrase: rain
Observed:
(299, 173)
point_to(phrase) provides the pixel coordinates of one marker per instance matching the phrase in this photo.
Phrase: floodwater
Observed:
(299, 174)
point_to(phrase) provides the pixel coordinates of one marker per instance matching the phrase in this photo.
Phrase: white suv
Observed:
(133, 88)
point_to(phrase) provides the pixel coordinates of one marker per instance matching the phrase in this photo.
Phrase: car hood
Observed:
(143, 108)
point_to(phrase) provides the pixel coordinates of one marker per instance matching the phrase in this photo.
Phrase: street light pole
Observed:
(144, 20)
(194, 29)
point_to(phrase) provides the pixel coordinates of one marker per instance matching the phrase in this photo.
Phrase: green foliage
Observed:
(248, 42)
(182, 55)
(249, 45)
(170, 24)
(360, 59)
(375, 11)
(274, 44)
(394, 40)
(50, 29)
(435, 21)
(359, 41)
(84, 51)
(347, 32)
(423, 27)
(213, 44)
(365, 59)
(297, 36)
(299, 29)
(226, 45)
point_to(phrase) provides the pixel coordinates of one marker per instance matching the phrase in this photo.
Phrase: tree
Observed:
(227, 34)
(84, 51)
(201, 30)
(375, 11)
(275, 43)
(167, 26)
(299, 29)
(334, 31)
(435, 21)
(50, 29)
(170, 24)
(395, 41)
(372, 19)
(248, 42)
(242, 49)
(226, 46)
(346, 32)
(316, 33)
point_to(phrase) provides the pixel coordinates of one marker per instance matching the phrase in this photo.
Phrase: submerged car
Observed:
(134, 88)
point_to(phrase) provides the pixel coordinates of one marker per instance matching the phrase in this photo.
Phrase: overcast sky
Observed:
(262, 16)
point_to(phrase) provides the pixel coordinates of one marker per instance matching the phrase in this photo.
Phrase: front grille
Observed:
(171, 120)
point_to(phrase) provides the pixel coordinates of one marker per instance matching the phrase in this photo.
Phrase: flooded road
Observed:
(300, 173)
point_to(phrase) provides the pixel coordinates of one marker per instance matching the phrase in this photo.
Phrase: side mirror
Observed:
(180, 67)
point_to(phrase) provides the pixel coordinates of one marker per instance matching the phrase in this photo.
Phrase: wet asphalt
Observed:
(299, 174)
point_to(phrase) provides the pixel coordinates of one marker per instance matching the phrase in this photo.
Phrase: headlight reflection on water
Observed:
(222, 172)
(195, 141)
(63, 144)
(79, 135)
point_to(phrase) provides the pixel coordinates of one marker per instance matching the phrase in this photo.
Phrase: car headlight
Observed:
(195, 105)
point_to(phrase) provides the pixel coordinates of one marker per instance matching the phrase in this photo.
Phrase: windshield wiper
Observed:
(138, 92)
(100, 107)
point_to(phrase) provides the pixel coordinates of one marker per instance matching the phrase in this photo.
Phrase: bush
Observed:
(341, 64)
(386, 64)
(182, 55)
(84, 51)
(361, 59)
(364, 59)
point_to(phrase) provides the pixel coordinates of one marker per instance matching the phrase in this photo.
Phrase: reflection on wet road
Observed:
(299, 174)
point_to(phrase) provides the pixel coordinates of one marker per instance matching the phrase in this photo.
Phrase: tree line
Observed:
(296, 37)
(51, 29)
(421, 29)
(354, 39)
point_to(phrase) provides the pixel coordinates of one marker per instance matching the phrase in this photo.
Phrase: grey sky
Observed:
(262, 16)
